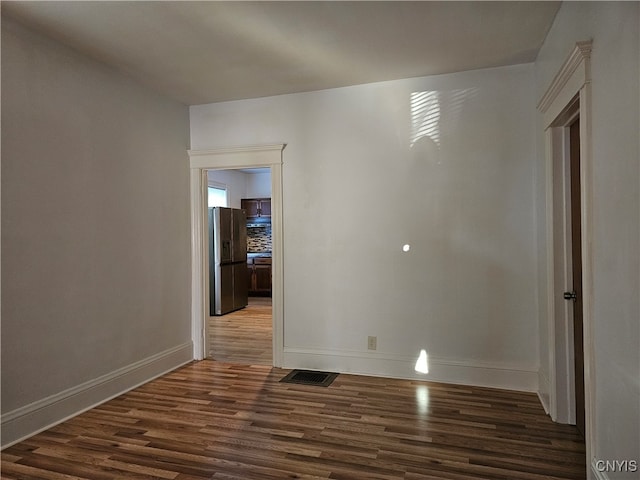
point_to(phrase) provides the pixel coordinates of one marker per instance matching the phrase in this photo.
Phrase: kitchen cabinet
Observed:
(257, 208)
(259, 276)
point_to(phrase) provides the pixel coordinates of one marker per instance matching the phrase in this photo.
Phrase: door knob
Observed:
(571, 296)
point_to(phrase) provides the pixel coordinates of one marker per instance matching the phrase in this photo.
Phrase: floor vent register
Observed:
(309, 377)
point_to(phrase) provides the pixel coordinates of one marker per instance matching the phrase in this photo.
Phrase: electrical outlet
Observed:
(372, 343)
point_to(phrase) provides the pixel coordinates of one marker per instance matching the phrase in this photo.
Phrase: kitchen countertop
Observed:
(258, 254)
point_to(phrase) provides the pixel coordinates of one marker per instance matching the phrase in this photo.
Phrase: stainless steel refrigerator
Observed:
(228, 285)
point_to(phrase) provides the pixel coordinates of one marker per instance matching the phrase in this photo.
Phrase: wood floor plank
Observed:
(17, 471)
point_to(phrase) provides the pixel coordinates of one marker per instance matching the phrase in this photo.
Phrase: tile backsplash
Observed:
(259, 239)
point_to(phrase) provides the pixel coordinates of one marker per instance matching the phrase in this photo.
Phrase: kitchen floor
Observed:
(244, 336)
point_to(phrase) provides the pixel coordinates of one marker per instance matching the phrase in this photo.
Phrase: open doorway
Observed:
(233, 158)
(245, 335)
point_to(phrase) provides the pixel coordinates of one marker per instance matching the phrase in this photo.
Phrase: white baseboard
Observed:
(543, 391)
(447, 370)
(38, 416)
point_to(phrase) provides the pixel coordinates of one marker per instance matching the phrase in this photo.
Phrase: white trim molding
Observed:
(543, 386)
(440, 369)
(574, 73)
(26, 421)
(236, 157)
(569, 94)
(223, 159)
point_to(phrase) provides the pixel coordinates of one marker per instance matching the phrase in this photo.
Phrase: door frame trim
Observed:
(570, 91)
(200, 161)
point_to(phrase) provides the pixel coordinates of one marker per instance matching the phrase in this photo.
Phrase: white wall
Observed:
(615, 67)
(356, 189)
(95, 233)
(259, 185)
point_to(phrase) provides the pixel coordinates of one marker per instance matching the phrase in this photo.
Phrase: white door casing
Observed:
(569, 95)
(224, 159)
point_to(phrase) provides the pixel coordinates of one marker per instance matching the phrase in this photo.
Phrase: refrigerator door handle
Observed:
(226, 249)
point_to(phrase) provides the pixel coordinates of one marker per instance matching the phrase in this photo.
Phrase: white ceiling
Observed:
(202, 52)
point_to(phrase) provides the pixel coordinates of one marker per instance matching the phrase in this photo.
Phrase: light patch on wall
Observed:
(425, 116)
(422, 364)
(406, 247)
(431, 109)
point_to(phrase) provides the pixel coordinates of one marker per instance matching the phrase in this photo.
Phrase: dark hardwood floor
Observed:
(214, 420)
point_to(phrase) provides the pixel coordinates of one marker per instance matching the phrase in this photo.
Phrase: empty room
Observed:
(423, 261)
